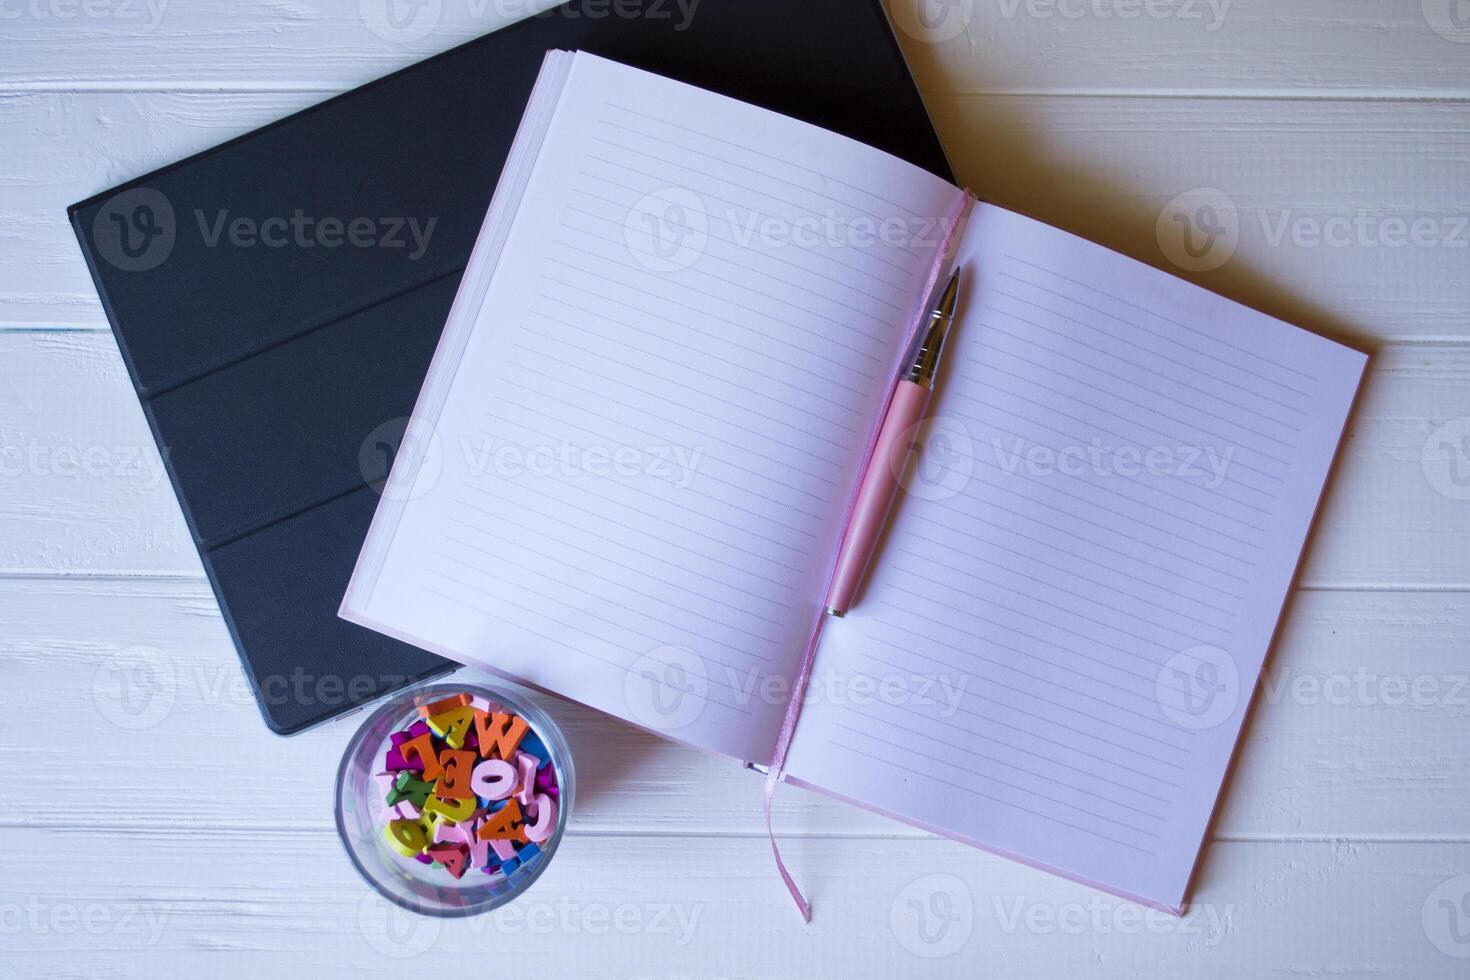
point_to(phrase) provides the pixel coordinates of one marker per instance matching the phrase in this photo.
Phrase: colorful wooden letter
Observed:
(408, 837)
(422, 749)
(459, 768)
(455, 811)
(453, 725)
(503, 824)
(494, 779)
(545, 816)
(500, 734)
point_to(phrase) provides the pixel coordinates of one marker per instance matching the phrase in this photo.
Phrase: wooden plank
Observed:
(1317, 190)
(277, 901)
(1257, 48)
(1332, 47)
(1319, 198)
(85, 493)
(84, 486)
(1360, 729)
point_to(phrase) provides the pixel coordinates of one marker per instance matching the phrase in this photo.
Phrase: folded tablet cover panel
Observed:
(277, 357)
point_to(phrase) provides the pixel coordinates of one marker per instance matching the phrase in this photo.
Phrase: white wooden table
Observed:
(151, 827)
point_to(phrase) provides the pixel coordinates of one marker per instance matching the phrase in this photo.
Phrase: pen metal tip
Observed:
(949, 299)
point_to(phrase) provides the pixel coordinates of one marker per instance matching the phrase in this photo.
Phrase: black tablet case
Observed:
(272, 376)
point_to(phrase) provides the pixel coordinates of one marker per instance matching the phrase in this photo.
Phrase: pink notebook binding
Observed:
(636, 451)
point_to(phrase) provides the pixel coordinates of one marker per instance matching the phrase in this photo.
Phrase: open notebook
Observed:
(635, 452)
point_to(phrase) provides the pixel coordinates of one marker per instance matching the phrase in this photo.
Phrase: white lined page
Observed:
(643, 450)
(1063, 648)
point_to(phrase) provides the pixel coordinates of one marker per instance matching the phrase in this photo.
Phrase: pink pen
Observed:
(895, 449)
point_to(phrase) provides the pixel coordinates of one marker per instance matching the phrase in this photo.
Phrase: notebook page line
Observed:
(857, 393)
(766, 176)
(765, 516)
(675, 305)
(825, 175)
(643, 491)
(1169, 478)
(879, 754)
(593, 321)
(1135, 809)
(1012, 750)
(872, 270)
(897, 292)
(733, 262)
(1094, 288)
(876, 267)
(1120, 341)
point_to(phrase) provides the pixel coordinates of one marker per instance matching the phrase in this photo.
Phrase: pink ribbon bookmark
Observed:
(793, 708)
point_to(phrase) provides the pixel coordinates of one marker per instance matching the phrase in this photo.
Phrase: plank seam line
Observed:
(236, 86)
(43, 577)
(327, 830)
